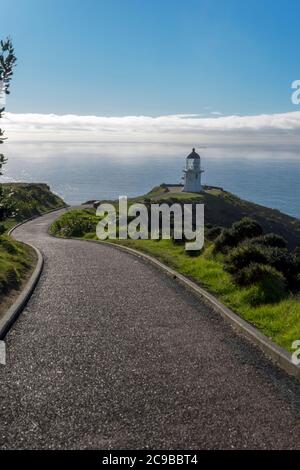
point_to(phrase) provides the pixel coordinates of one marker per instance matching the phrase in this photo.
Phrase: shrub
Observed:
(284, 261)
(296, 257)
(247, 228)
(263, 293)
(254, 273)
(74, 225)
(240, 231)
(213, 232)
(297, 252)
(278, 258)
(225, 240)
(243, 256)
(270, 240)
(269, 284)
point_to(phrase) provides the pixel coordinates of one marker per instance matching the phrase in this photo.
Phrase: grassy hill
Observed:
(17, 260)
(223, 208)
(28, 200)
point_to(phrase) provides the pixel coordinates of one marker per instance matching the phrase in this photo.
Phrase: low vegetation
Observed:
(251, 270)
(18, 202)
(76, 223)
(16, 263)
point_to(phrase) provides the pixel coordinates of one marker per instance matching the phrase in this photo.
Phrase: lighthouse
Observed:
(192, 173)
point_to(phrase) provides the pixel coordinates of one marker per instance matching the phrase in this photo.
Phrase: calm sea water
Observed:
(79, 172)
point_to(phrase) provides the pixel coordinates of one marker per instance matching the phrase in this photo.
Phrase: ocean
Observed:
(80, 172)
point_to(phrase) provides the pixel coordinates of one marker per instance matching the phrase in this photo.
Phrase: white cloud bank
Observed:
(266, 129)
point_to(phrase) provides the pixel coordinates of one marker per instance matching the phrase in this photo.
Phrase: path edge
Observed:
(277, 354)
(18, 306)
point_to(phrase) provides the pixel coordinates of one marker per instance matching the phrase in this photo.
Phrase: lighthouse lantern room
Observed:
(192, 173)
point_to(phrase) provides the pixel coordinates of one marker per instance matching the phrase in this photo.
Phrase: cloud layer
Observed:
(260, 129)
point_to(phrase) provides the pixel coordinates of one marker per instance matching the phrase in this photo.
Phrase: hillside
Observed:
(224, 208)
(29, 199)
(16, 259)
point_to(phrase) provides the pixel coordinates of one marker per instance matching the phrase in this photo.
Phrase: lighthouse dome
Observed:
(193, 155)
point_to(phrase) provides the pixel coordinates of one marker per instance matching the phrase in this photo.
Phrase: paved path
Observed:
(111, 353)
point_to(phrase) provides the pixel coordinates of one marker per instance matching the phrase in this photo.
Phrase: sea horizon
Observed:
(79, 172)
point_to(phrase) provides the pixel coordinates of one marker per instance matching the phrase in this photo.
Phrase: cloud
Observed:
(235, 129)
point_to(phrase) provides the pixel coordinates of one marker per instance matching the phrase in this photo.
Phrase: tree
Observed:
(7, 64)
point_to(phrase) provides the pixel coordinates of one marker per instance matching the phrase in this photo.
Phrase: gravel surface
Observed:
(111, 353)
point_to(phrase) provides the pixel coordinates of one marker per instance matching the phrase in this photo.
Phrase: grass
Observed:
(17, 260)
(16, 264)
(223, 208)
(28, 200)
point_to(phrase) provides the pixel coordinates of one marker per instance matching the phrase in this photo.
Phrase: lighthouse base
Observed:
(192, 188)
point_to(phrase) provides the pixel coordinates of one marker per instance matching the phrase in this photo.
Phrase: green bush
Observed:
(278, 258)
(227, 239)
(270, 240)
(270, 285)
(296, 252)
(254, 273)
(247, 228)
(74, 224)
(263, 293)
(296, 256)
(244, 255)
(285, 262)
(213, 232)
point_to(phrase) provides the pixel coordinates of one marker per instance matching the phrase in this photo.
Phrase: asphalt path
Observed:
(112, 353)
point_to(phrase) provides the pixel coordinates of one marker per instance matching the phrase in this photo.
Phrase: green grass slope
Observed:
(16, 259)
(223, 208)
(30, 199)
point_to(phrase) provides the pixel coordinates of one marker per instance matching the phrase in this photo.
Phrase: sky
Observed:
(151, 68)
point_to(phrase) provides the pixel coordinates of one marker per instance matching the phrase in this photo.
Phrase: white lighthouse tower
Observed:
(192, 173)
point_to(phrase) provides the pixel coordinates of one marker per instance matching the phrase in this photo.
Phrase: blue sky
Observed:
(152, 57)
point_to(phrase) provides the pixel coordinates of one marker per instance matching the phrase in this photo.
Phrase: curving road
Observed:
(111, 353)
